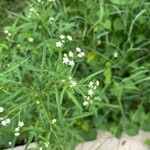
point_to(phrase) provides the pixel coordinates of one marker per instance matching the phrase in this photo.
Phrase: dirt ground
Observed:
(105, 141)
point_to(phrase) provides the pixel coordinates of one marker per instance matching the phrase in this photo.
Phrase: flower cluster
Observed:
(91, 92)
(68, 59)
(32, 11)
(72, 82)
(8, 34)
(1, 109)
(54, 121)
(30, 39)
(20, 124)
(80, 53)
(62, 40)
(5, 122)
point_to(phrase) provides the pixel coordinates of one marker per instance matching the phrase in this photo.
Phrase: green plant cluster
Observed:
(35, 83)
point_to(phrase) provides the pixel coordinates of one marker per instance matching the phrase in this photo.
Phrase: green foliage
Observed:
(62, 105)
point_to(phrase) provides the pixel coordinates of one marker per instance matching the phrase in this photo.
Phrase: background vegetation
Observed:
(114, 34)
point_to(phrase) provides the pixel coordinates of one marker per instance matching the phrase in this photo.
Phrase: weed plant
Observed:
(69, 68)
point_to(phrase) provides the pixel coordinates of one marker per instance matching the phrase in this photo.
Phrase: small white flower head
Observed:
(88, 98)
(6, 31)
(51, 19)
(1, 118)
(31, 9)
(97, 83)
(29, 16)
(85, 103)
(71, 54)
(17, 129)
(71, 63)
(78, 49)
(9, 34)
(59, 44)
(16, 134)
(63, 41)
(90, 92)
(69, 38)
(1, 109)
(91, 84)
(9, 143)
(19, 45)
(73, 83)
(46, 144)
(38, 102)
(63, 80)
(54, 121)
(115, 54)
(62, 37)
(30, 39)
(39, 1)
(20, 124)
(8, 121)
(65, 60)
(4, 123)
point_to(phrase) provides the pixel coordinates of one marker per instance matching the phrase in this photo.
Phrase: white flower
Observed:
(4, 123)
(63, 80)
(81, 54)
(62, 37)
(97, 83)
(88, 98)
(38, 102)
(69, 38)
(30, 39)
(91, 84)
(90, 92)
(59, 44)
(71, 63)
(20, 124)
(63, 41)
(9, 34)
(65, 55)
(32, 9)
(73, 83)
(39, 1)
(1, 109)
(65, 60)
(9, 143)
(29, 16)
(51, 19)
(17, 129)
(16, 133)
(70, 78)
(115, 54)
(78, 49)
(1, 118)
(85, 103)
(8, 121)
(6, 31)
(71, 54)
(46, 144)
(54, 121)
